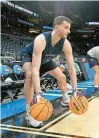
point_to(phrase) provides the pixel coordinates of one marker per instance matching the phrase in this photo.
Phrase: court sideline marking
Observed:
(47, 125)
(57, 135)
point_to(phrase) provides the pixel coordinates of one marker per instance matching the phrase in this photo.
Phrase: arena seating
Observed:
(11, 86)
(12, 82)
(13, 45)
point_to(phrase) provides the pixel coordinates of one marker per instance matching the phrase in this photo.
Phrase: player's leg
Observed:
(96, 80)
(93, 63)
(96, 77)
(61, 78)
(56, 72)
(28, 85)
(28, 92)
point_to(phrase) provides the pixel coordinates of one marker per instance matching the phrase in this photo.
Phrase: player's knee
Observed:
(29, 75)
(62, 78)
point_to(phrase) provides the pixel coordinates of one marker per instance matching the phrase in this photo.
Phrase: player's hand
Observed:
(36, 98)
(77, 93)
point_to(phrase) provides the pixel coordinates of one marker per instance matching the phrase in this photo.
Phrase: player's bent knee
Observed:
(62, 78)
(29, 75)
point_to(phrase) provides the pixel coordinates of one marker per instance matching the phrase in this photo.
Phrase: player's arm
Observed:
(39, 45)
(67, 49)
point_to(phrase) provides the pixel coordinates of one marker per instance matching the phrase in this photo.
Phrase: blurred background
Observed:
(22, 21)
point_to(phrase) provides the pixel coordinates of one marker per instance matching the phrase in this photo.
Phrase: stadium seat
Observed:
(9, 85)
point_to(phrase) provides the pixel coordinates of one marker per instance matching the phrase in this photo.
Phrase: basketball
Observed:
(42, 110)
(78, 105)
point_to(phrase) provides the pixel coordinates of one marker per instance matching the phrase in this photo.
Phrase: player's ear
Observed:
(56, 26)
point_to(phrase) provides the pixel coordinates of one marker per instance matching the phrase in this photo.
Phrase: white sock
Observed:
(69, 86)
(27, 109)
(66, 96)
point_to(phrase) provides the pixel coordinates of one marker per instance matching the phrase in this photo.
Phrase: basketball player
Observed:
(37, 58)
(93, 59)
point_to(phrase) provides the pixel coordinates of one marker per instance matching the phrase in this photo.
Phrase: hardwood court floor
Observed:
(80, 125)
(62, 124)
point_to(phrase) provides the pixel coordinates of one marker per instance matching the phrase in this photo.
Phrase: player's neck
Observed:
(54, 37)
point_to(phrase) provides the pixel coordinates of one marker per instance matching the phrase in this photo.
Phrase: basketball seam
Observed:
(41, 110)
(73, 108)
(47, 113)
(51, 108)
(85, 102)
(33, 107)
(79, 104)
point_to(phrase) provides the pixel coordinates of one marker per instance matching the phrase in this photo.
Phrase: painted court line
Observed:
(19, 127)
(56, 119)
(44, 127)
(87, 86)
(40, 128)
(36, 133)
(51, 94)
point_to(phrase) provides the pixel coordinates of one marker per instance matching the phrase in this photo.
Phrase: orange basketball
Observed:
(42, 110)
(78, 105)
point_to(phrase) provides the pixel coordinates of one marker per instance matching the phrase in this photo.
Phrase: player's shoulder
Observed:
(40, 37)
(66, 42)
(43, 36)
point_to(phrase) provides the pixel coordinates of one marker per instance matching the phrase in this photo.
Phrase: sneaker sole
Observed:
(65, 105)
(39, 126)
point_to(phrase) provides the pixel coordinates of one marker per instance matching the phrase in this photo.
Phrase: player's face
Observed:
(64, 29)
